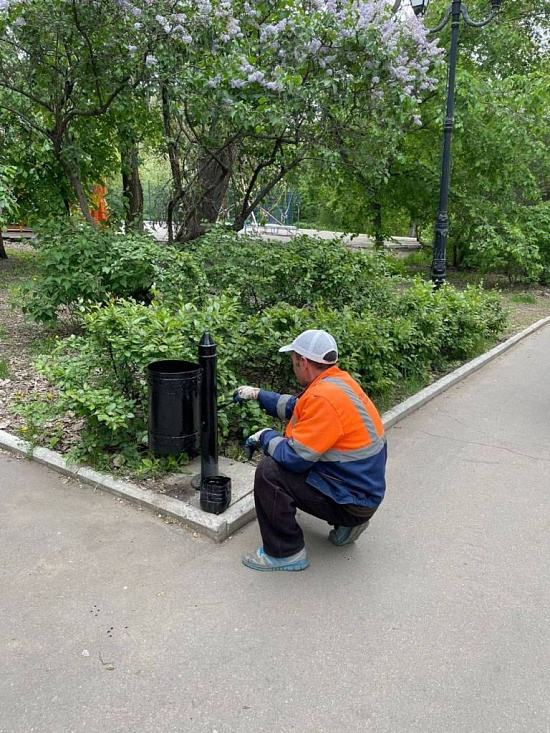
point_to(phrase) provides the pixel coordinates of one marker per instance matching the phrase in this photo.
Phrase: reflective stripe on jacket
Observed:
(335, 433)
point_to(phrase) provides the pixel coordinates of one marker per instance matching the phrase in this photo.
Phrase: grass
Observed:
(45, 344)
(23, 263)
(523, 298)
(4, 369)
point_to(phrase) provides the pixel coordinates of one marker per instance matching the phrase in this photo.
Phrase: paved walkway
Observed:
(283, 233)
(114, 621)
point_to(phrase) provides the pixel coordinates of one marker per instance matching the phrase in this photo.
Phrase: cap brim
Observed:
(290, 347)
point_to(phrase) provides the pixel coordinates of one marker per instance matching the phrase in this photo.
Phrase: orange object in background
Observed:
(98, 208)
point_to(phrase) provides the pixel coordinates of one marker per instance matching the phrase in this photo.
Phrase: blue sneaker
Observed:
(346, 535)
(259, 560)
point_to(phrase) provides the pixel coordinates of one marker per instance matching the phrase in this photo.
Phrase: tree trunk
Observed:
(173, 156)
(213, 176)
(132, 190)
(455, 253)
(72, 174)
(76, 185)
(377, 222)
(3, 253)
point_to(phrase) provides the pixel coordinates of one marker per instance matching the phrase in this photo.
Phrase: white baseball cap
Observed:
(315, 345)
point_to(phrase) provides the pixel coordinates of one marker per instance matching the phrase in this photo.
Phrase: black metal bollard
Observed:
(215, 490)
(209, 407)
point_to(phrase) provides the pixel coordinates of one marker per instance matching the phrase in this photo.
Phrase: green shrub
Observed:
(363, 340)
(81, 263)
(471, 319)
(391, 332)
(300, 272)
(518, 245)
(420, 326)
(509, 251)
(101, 375)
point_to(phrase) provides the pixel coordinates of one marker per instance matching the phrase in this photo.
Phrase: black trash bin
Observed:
(174, 407)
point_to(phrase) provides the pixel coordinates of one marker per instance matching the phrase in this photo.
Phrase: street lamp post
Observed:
(454, 12)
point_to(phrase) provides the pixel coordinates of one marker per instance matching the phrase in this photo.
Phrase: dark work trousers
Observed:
(277, 494)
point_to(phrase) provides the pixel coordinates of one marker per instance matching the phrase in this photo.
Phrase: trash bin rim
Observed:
(216, 482)
(173, 367)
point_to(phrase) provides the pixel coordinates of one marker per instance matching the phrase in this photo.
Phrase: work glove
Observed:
(244, 393)
(253, 443)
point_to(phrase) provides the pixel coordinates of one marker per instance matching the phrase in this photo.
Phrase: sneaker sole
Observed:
(302, 565)
(355, 533)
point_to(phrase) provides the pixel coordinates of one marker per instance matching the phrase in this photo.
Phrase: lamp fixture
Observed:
(419, 6)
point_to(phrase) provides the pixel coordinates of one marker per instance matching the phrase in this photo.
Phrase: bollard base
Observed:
(215, 494)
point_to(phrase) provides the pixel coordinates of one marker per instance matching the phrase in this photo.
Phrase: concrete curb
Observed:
(219, 527)
(216, 526)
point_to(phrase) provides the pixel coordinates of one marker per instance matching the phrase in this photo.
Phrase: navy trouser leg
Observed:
(278, 493)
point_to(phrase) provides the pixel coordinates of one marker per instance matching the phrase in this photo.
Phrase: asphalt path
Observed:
(113, 620)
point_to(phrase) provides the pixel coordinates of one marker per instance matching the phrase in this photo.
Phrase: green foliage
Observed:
(500, 165)
(523, 298)
(42, 424)
(471, 318)
(4, 369)
(419, 332)
(517, 245)
(8, 200)
(222, 90)
(300, 272)
(85, 264)
(510, 253)
(178, 277)
(101, 375)
(450, 324)
(390, 331)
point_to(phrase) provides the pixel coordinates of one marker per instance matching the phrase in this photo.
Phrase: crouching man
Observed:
(330, 463)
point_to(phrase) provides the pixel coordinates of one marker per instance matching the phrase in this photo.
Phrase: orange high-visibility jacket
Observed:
(335, 434)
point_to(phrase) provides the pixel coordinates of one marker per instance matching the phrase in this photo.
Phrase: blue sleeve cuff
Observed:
(277, 405)
(277, 446)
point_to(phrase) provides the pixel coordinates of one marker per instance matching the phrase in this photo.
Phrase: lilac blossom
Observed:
(256, 76)
(291, 44)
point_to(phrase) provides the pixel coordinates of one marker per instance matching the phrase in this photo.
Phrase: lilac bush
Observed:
(258, 85)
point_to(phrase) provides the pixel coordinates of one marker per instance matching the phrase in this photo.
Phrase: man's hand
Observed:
(253, 443)
(244, 393)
